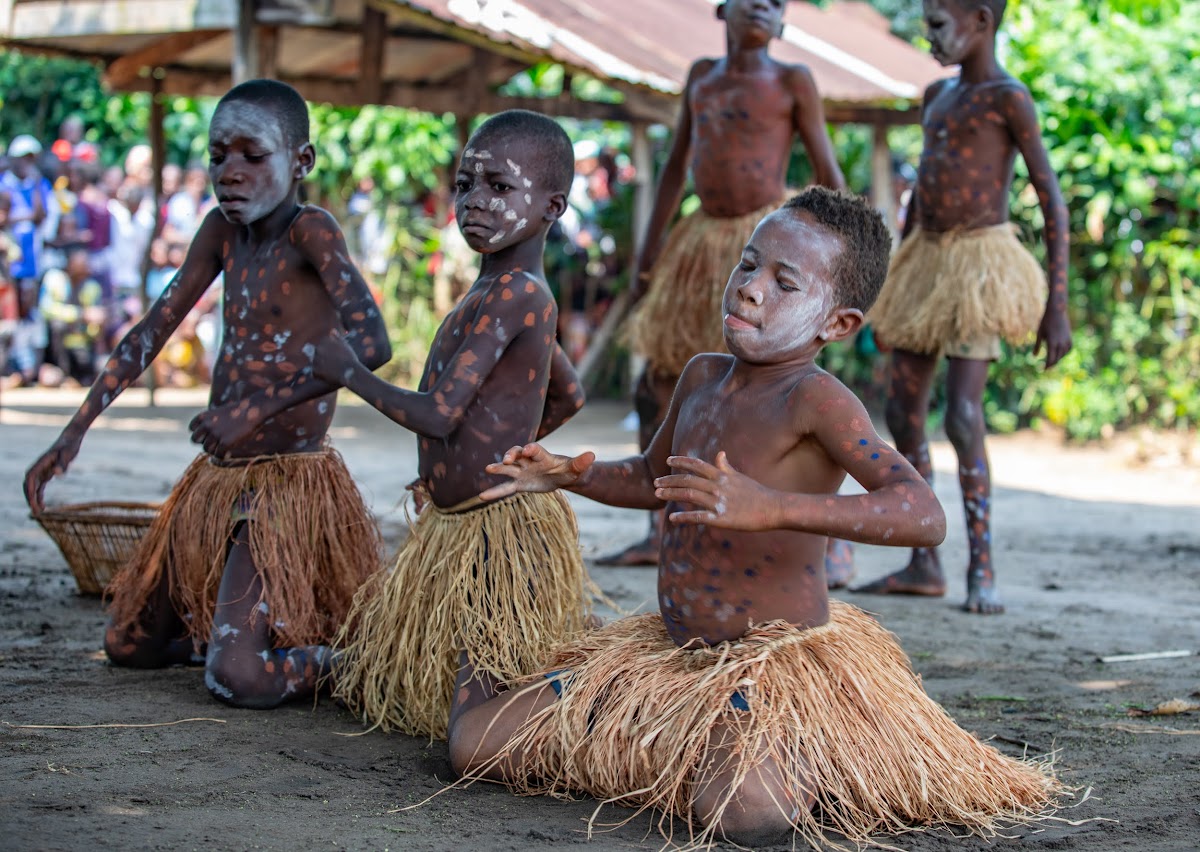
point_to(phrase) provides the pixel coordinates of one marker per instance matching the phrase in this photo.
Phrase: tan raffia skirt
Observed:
(632, 727)
(948, 288)
(504, 581)
(312, 539)
(681, 314)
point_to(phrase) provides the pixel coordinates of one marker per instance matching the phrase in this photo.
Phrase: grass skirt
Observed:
(505, 582)
(681, 313)
(312, 539)
(959, 286)
(633, 721)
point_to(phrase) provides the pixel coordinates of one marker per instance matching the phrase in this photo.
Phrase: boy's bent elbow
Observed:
(933, 527)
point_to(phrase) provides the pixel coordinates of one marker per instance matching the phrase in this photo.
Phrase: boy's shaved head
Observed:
(287, 104)
(554, 156)
(867, 243)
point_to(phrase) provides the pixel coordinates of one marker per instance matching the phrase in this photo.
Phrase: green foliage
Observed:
(1117, 87)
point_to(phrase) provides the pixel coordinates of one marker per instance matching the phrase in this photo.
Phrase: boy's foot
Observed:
(839, 564)
(921, 576)
(644, 552)
(982, 597)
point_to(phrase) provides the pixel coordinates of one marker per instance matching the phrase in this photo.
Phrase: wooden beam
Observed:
(125, 69)
(843, 113)
(374, 36)
(244, 65)
(267, 38)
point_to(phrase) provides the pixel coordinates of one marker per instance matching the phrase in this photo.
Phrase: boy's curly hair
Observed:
(866, 242)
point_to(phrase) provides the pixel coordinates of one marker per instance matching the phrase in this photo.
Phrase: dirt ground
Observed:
(1097, 556)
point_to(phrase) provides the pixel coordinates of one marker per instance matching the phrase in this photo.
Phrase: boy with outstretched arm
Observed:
(262, 544)
(961, 280)
(740, 115)
(478, 592)
(750, 696)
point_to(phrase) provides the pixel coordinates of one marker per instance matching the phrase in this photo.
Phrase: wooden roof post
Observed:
(883, 188)
(245, 43)
(158, 159)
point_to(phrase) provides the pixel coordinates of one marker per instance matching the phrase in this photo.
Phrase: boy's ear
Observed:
(306, 158)
(720, 11)
(984, 19)
(842, 323)
(556, 205)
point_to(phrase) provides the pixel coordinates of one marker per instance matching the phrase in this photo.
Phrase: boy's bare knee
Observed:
(466, 740)
(752, 817)
(123, 650)
(238, 688)
(964, 422)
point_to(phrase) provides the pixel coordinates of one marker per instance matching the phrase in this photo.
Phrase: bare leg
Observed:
(471, 688)
(479, 734)
(907, 411)
(759, 809)
(243, 667)
(651, 399)
(965, 428)
(160, 637)
(839, 563)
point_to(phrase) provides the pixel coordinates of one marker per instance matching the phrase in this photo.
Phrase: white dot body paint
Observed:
(216, 688)
(309, 351)
(497, 204)
(515, 168)
(528, 183)
(470, 152)
(522, 223)
(483, 155)
(479, 168)
(497, 237)
(510, 215)
(528, 198)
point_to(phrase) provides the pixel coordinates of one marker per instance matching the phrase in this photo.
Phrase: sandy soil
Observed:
(1097, 557)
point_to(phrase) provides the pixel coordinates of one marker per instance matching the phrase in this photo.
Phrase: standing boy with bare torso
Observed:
(961, 280)
(740, 115)
(262, 544)
(750, 697)
(478, 593)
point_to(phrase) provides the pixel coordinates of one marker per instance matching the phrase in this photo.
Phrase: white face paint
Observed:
(516, 170)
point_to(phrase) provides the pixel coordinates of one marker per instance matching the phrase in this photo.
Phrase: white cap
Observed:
(24, 146)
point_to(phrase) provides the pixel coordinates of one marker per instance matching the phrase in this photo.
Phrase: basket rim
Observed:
(65, 509)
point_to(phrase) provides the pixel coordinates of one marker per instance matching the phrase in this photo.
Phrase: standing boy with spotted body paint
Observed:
(262, 544)
(478, 593)
(750, 696)
(740, 116)
(961, 280)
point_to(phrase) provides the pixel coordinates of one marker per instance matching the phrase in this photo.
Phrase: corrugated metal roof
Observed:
(849, 49)
(642, 47)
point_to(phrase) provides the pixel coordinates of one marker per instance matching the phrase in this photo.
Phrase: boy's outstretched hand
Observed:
(725, 497)
(218, 429)
(531, 468)
(54, 462)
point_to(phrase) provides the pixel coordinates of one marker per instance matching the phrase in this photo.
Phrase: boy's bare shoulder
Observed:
(312, 221)
(935, 88)
(701, 68)
(703, 368)
(819, 399)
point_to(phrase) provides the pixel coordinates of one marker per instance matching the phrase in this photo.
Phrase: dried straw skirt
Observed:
(633, 722)
(959, 286)
(505, 582)
(681, 313)
(312, 539)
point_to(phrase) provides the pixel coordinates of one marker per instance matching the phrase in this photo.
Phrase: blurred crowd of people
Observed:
(73, 241)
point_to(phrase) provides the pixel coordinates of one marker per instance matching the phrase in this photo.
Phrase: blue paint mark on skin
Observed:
(862, 442)
(750, 572)
(726, 544)
(711, 589)
(874, 455)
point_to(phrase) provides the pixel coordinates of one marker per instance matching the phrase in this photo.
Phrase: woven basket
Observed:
(97, 539)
